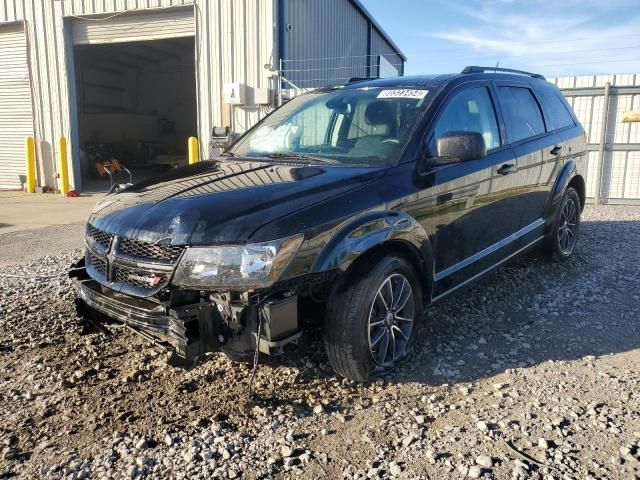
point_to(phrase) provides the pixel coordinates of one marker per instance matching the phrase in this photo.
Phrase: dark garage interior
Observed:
(137, 106)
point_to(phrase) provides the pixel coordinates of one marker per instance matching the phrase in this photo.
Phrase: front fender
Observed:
(563, 179)
(369, 231)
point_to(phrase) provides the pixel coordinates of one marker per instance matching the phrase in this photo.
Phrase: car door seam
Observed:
(488, 251)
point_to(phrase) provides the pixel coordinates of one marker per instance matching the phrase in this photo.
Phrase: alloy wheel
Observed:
(567, 228)
(391, 320)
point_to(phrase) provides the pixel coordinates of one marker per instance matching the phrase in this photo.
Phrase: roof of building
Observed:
(358, 4)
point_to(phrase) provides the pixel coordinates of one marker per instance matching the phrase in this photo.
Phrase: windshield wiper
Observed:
(299, 157)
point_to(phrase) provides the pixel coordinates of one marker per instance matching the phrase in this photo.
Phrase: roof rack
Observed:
(475, 69)
(362, 79)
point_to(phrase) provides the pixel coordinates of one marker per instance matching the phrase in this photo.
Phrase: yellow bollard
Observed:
(64, 169)
(192, 148)
(30, 150)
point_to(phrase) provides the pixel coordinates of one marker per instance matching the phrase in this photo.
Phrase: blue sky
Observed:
(553, 37)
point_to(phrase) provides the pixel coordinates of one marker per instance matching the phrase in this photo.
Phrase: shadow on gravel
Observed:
(530, 311)
(534, 310)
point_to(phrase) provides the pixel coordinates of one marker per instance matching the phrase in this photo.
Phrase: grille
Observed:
(140, 278)
(136, 248)
(103, 239)
(98, 264)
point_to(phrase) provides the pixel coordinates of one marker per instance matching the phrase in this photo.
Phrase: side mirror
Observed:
(460, 147)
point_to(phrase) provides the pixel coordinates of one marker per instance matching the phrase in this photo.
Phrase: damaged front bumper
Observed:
(193, 322)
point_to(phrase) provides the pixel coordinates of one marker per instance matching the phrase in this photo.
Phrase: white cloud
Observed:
(549, 36)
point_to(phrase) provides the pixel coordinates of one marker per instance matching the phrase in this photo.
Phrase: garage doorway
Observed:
(136, 104)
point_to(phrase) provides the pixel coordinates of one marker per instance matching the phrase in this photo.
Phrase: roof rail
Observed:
(475, 69)
(361, 79)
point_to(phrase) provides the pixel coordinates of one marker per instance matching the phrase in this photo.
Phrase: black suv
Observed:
(371, 200)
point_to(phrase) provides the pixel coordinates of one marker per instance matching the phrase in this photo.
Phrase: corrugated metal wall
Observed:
(234, 42)
(168, 23)
(380, 46)
(618, 180)
(326, 42)
(16, 119)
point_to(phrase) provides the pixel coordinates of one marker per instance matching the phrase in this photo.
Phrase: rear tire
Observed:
(564, 234)
(371, 320)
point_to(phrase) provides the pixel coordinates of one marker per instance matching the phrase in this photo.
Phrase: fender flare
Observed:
(564, 177)
(359, 236)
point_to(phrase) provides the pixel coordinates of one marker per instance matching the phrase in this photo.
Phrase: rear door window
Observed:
(522, 113)
(554, 106)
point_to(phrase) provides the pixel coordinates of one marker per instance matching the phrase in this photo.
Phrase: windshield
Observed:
(367, 126)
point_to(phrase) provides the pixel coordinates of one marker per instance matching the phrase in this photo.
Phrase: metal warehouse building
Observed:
(141, 76)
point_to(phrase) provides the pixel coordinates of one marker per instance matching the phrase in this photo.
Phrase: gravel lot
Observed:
(532, 373)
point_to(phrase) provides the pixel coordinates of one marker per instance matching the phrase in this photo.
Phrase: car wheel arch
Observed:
(567, 174)
(367, 238)
(578, 183)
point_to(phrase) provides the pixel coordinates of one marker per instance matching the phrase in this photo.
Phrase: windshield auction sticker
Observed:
(403, 93)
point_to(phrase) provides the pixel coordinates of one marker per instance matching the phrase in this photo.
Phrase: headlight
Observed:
(255, 265)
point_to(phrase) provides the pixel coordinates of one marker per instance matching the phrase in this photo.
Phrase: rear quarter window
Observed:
(556, 108)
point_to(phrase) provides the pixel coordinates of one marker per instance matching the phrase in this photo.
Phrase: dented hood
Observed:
(221, 201)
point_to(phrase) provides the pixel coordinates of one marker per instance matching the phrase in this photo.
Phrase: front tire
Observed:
(564, 235)
(371, 320)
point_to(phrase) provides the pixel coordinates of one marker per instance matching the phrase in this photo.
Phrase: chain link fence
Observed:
(300, 75)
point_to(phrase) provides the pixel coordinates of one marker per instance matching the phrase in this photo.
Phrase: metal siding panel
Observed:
(327, 43)
(592, 174)
(621, 132)
(601, 80)
(623, 80)
(596, 119)
(632, 176)
(135, 27)
(16, 118)
(634, 128)
(582, 107)
(236, 40)
(222, 48)
(616, 174)
(380, 46)
(621, 166)
(585, 81)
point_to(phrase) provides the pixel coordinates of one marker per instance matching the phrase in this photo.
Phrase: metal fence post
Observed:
(603, 141)
(280, 78)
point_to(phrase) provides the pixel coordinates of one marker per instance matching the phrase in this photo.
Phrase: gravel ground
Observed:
(28, 245)
(531, 373)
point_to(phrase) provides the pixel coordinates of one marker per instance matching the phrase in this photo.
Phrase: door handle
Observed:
(556, 150)
(506, 169)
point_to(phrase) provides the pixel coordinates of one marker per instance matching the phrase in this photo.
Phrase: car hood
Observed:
(221, 201)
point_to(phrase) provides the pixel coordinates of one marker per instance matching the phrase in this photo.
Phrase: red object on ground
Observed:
(73, 193)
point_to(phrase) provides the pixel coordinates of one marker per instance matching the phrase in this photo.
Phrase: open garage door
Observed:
(135, 79)
(135, 27)
(16, 116)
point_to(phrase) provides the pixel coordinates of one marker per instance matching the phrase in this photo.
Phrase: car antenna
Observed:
(497, 66)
